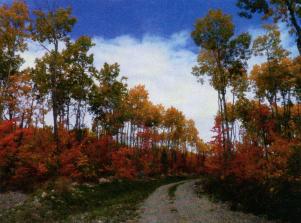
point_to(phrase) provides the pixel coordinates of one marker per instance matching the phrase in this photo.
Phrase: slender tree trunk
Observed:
(221, 111)
(228, 143)
(78, 116)
(54, 95)
(43, 117)
(29, 119)
(128, 134)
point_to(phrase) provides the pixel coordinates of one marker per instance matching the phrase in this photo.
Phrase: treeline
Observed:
(129, 135)
(254, 158)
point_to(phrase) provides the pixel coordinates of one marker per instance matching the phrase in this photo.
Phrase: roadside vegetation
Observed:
(254, 158)
(61, 201)
(276, 200)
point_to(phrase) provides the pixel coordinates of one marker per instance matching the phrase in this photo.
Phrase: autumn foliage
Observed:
(29, 156)
(44, 129)
(257, 131)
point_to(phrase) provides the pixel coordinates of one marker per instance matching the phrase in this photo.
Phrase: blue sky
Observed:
(150, 39)
(111, 18)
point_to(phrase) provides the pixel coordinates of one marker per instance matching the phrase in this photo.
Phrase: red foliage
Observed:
(25, 155)
(250, 160)
(87, 160)
(98, 153)
(30, 155)
(148, 163)
(71, 162)
(247, 163)
(147, 138)
(123, 162)
(261, 155)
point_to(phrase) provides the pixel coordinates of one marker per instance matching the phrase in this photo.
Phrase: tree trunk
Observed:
(54, 95)
(294, 22)
(78, 115)
(228, 146)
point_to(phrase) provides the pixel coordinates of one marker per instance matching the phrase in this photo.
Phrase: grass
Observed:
(110, 202)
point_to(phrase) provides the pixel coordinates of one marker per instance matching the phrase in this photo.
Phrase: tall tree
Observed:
(137, 104)
(79, 72)
(288, 11)
(107, 99)
(273, 77)
(13, 34)
(174, 122)
(50, 28)
(223, 57)
(269, 44)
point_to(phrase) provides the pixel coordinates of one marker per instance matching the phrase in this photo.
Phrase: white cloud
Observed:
(163, 65)
(34, 51)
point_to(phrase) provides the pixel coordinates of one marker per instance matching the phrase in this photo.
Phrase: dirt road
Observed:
(186, 207)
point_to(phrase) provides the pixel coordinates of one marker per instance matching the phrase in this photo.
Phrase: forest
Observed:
(66, 118)
(129, 136)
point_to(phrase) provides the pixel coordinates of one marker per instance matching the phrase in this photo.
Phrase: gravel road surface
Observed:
(187, 207)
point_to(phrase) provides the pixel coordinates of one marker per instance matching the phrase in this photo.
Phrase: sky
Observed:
(150, 39)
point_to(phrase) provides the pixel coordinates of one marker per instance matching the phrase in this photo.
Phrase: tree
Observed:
(269, 44)
(274, 79)
(190, 136)
(287, 11)
(257, 123)
(174, 122)
(50, 28)
(21, 99)
(223, 58)
(79, 72)
(107, 99)
(13, 34)
(296, 69)
(137, 104)
(130, 135)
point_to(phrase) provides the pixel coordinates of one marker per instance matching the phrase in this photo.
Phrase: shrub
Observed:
(294, 162)
(123, 163)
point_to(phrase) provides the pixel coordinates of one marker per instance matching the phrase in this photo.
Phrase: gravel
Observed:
(187, 207)
(11, 199)
(158, 207)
